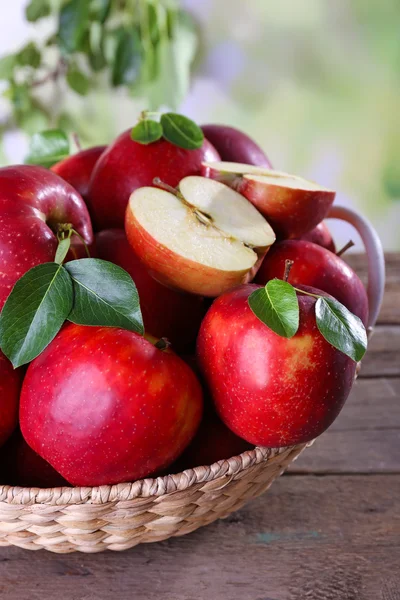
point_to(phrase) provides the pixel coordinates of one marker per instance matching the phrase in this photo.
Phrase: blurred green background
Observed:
(316, 83)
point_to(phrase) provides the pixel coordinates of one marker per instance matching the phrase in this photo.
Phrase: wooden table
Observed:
(327, 530)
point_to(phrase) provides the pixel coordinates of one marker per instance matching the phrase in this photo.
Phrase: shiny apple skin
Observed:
(235, 146)
(33, 200)
(127, 165)
(166, 312)
(10, 385)
(77, 169)
(269, 390)
(105, 406)
(321, 236)
(317, 267)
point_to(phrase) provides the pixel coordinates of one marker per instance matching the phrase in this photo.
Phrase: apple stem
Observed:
(77, 141)
(162, 344)
(164, 186)
(349, 244)
(288, 265)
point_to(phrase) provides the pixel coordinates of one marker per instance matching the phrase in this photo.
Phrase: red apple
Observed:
(235, 146)
(127, 165)
(317, 267)
(292, 205)
(33, 202)
(320, 235)
(270, 390)
(166, 313)
(205, 239)
(10, 385)
(23, 467)
(77, 169)
(105, 406)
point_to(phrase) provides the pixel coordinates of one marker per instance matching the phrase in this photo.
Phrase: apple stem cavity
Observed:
(346, 247)
(288, 265)
(162, 344)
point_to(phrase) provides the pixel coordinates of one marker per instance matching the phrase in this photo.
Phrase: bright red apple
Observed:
(205, 239)
(33, 202)
(166, 313)
(77, 169)
(317, 267)
(127, 165)
(270, 390)
(235, 146)
(10, 385)
(292, 205)
(105, 406)
(320, 235)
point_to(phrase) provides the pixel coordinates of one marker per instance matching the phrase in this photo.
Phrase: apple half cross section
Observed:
(292, 205)
(204, 239)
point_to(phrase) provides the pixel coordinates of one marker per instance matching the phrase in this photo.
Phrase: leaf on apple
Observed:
(181, 131)
(34, 312)
(343, 330)
(62, 250)
(147, 131)
(47, 148)
(277, 306)
(105, 295)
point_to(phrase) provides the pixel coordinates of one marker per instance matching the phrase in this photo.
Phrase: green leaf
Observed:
(62, 250)
(343, 330)
(96, 51)
(37, 9)
(277, 306)
(99, 10)
(73, 23)
(181, 131)
(127, 59)
(147, 131)
(34, 312)
(21, 98)
(105, 295)
(47, 148)
(35, 119)
(7, 65)
(77, 81)
(29, 56)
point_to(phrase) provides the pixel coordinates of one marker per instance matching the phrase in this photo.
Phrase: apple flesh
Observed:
(33, 202)
(10, 385)
(166, 313)
(206, 239)
(235, 146)
(292, 205)
(105, 406)
(321, 236)
(269, 390)
(77, 169)
(316, 267)
(127, 165)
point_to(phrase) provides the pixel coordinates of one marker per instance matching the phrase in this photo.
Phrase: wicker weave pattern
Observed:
(118, 517)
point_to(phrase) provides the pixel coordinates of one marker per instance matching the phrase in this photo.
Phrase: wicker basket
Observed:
(121, 516)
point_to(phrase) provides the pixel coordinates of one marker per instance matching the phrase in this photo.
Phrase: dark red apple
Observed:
(105, 406)
(77, 169)
(33, 202)
(317, 267)
(270, 390)
(127, 165)
(10, 385)
(235, 146)
(20, 465)
(166, 313)
(321, 236)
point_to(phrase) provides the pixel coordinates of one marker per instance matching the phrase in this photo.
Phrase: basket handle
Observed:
(375, 257)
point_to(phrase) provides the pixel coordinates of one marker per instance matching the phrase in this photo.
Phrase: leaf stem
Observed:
(307, 293)
(74, 232)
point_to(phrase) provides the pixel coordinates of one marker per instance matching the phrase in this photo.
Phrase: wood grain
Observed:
(309, 538)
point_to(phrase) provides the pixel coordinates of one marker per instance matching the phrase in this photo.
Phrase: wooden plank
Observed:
(330, 538)
(365, 438)
(383, 355)
(390, 312)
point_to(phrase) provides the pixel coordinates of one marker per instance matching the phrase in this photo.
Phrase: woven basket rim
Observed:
(142, 488)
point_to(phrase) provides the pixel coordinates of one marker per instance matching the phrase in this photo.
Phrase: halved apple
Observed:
(204, 239)
(292, 205)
